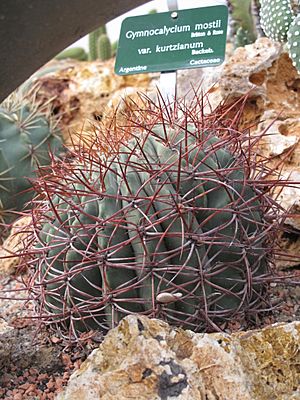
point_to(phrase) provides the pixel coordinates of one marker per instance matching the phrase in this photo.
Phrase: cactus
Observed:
(276, 18)
(243, 21)
(114, 47)
(77, 53)
(93, 42)
(241, 38)
(281, 22)
(104, 49)
(26, 136)
(175, 224)
(293, 40)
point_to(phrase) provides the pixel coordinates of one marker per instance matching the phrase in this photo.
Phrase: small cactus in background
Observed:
(280, 21)
(99, 45)
(114, 47)
(244, 24)
(176, 224)
(93, 38)
(104, 49)
(27, 136)
(77, 53)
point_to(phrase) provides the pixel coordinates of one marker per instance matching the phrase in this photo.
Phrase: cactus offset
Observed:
(175, 224)
(27, 136)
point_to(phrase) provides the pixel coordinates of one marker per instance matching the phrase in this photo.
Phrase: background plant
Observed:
(29, 139)
(100, 48)
(281, 22)
(243, 22)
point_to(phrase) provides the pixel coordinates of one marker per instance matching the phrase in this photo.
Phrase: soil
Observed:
(36, 364)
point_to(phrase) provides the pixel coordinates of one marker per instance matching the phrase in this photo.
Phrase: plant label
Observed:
(172, 40)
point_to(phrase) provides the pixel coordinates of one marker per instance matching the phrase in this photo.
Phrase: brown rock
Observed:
(14, 244)
(146, 359)
(79, 94)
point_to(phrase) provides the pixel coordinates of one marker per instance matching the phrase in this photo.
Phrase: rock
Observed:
(190, 81)
(246, 72)
(289, 198)
(146, 359)
(14, 244)
(79, 93)
(4, 327)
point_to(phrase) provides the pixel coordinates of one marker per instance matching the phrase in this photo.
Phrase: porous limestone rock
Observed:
(79, 93)
(246, 72)
(13, 245)
(146, 359)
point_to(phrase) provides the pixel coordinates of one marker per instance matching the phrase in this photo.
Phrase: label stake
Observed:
(168, 80)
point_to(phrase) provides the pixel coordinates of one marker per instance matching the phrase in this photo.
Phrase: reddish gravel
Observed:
(34, 363)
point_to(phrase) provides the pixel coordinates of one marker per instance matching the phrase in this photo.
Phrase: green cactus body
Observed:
(104, 50)
(170, 227)
(241, 38)
(93, 38)
(114, 47)
(76, 53)
(280, 23)
(93, 42)
(276, 17)
(243, 20)
(26, 139)
(294, 42)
